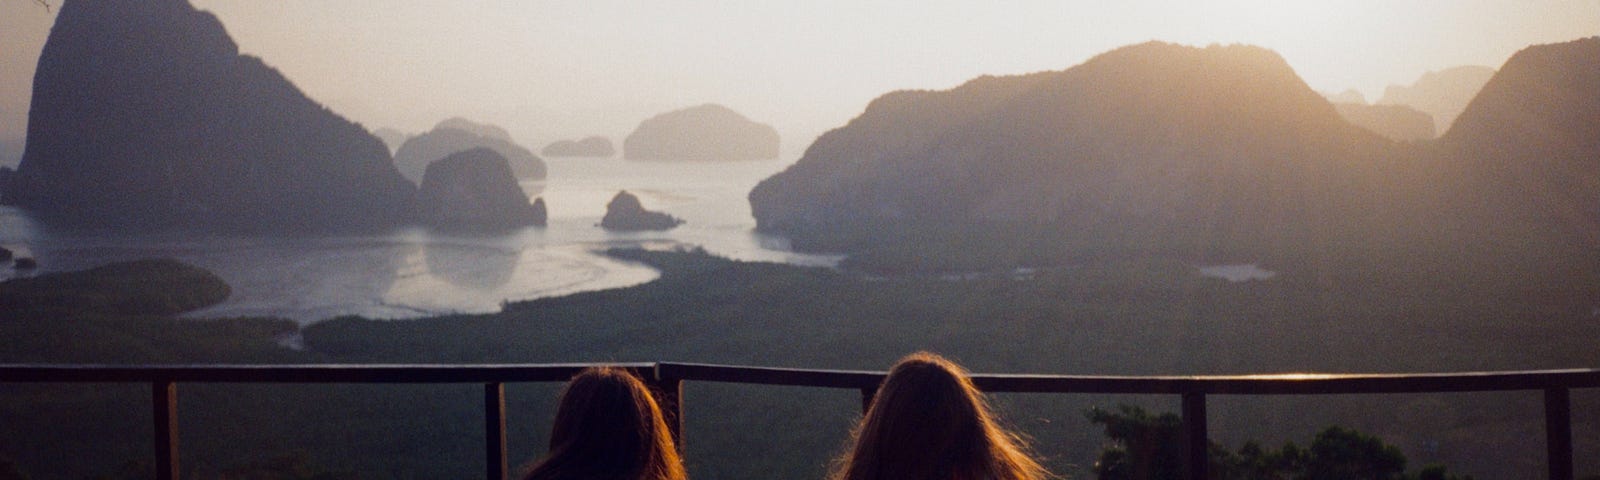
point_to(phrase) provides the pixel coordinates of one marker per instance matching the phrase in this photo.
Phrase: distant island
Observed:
(594, 146)
(145, 115)
(707, 132)
(458, 134)
(1443, 94)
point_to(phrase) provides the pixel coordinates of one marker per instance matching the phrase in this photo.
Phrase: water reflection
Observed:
(415, 272)
(475, 267)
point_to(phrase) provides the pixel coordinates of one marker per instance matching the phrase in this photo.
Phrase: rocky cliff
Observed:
(474, 189)
(704, 133)
(145, 115)
(457, 135)
(1149, 147)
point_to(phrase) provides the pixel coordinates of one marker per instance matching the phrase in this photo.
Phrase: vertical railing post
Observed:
(164, 403)
(494, 430)
(867, 395)
(669, 386)
(1558, 432)
(1195, 444)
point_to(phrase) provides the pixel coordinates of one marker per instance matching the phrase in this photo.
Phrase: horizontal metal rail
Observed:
(667, 378)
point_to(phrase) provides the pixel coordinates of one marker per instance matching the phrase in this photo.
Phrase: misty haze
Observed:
(1218, 188)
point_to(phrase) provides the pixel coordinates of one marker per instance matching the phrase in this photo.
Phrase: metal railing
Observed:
(667, 379)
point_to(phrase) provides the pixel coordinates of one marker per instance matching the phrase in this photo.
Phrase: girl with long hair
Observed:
(608, 427)
(928, 422)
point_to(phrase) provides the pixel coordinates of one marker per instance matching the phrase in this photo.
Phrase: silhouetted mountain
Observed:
(1347, 96)
(1148, 147)
(1528, 147)
(625, 213)
(1397, 122)
(6, 173)
(144, 114)
(595, 146)
(474, 189)
(708, 132)
(1443, 94)
(391, 138)
(457, 135)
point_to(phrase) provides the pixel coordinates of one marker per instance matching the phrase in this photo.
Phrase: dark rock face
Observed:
(1153, 146)
(1396, 122)
(6, 174)
(5, 254)
(588, 147)
(145, 115)
(705, 133)
(1443, 94)
(474, 189)
(625, 213)
(456, 135)
(1529, 144)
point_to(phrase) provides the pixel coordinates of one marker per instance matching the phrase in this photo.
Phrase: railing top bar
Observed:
(1211, 384)
(1295, 383)
(304, 373)
(771, 375)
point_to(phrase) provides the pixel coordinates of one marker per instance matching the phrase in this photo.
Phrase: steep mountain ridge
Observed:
(1152, 145)
(145, 115)
(1528, 145)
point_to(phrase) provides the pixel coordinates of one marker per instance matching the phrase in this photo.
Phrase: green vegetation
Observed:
(1150, 447)
(1132, 315)
(140, 287)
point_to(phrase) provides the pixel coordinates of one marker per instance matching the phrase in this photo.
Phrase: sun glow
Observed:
(1292, 376)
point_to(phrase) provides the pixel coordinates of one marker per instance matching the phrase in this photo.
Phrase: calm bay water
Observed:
(415, 272)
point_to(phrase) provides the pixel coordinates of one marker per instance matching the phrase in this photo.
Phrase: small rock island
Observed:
(475, 189)
(625, 213)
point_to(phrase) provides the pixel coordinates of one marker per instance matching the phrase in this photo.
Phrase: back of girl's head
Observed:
(928, 422)
(608, 426)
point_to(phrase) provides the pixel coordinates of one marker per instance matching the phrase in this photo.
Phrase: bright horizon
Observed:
(562, 70)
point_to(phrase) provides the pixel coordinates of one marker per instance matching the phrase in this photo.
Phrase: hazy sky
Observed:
(548, 70)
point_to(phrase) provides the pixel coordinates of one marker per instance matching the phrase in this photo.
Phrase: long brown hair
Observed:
(928, 422)
(608, 427)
